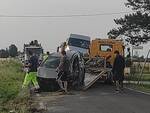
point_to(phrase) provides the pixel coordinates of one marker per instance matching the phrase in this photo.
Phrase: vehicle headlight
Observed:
(67, 48)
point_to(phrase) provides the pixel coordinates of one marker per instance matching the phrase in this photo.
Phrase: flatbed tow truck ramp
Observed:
(91, 78)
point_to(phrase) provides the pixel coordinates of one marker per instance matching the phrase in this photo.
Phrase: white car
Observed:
(47, 74)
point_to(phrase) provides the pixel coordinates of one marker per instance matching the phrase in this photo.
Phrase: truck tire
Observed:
(109, 79)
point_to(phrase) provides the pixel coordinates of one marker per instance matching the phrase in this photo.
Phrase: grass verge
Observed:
(144, 88)
(141, 87)
(12, 97)
(135, 77)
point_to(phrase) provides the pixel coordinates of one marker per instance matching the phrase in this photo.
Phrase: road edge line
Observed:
(138, 91)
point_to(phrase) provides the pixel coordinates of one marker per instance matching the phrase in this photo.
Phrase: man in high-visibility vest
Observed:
(31, 75)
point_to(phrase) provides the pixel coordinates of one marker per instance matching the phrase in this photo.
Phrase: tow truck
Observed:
(101, 58)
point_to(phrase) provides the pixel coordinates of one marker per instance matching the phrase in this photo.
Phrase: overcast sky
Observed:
(52, 31)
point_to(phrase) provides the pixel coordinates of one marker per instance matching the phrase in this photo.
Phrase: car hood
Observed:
(47, 73)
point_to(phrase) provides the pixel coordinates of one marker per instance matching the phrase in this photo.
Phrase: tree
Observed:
(7, 52)
(4, 53)
(135, 27)
(13, 50)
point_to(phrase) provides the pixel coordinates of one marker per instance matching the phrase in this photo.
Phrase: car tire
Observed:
(83, 77)
(76, 75)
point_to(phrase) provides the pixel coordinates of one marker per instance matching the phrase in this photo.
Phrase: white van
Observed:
(78, 43)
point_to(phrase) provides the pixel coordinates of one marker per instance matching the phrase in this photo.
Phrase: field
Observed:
(12, 97)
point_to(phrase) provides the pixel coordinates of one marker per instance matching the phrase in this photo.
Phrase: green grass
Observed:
(11, 78)
(141, 87)
(145, 77)
(145, 88)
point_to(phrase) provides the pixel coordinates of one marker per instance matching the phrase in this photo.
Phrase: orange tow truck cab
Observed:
(105, 48)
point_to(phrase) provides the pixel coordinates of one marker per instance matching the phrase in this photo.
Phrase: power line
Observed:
(60, 16)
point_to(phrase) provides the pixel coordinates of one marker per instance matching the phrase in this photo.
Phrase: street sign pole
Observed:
(132, 55)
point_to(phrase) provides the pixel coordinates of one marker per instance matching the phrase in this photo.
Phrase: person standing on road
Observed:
(31, 75)
(118, 70)
(63, 71)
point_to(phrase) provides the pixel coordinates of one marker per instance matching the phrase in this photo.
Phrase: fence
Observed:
(139, 77)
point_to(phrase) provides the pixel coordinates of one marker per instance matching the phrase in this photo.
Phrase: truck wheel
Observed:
(108, 81)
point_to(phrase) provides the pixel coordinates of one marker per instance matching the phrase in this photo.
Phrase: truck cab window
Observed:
(106, 48)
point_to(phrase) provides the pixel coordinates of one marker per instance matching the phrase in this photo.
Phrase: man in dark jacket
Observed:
(63, 71)
(118, 70)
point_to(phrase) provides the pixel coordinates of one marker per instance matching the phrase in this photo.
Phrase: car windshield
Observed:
(52, 62)
(79, 43)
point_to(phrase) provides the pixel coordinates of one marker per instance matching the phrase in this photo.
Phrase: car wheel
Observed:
(83, 77)
(76, 75)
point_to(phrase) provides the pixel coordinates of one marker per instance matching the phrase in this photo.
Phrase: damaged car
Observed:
(47, 75)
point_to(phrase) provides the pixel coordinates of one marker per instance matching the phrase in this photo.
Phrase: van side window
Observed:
(105, 48)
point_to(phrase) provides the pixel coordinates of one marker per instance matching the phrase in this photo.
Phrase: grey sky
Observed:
(51, 31)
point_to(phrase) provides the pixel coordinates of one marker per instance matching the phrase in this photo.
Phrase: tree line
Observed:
(134, 28)
(12, 51)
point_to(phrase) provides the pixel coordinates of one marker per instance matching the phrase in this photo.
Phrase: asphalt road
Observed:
(99, 99)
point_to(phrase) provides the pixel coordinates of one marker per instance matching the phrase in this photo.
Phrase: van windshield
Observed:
(52, 62)
(79, 43)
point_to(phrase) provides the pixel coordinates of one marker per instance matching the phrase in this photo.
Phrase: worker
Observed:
(63, 72)
(118, 70)
(31, 75)
(46, 56)
(63, 46)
